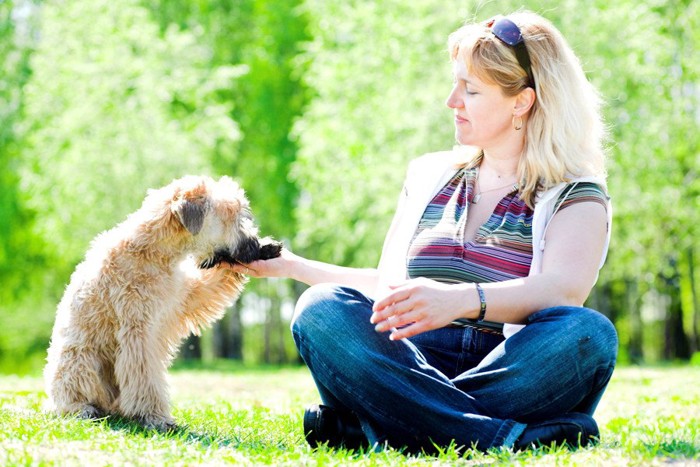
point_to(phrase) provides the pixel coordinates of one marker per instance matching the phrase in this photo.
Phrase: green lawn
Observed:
(234, 415)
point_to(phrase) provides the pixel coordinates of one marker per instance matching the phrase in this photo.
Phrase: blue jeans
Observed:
(452, 384)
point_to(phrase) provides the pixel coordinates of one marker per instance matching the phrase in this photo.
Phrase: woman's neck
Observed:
(500, 166)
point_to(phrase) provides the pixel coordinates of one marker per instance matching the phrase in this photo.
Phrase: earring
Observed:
(519, 125)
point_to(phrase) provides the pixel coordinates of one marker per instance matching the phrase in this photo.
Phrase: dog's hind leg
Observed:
(74, 386)
(140, 373)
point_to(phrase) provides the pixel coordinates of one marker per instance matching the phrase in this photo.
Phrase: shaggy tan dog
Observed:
(140, 291)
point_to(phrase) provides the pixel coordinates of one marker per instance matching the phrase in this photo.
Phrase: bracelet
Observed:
(482, 299)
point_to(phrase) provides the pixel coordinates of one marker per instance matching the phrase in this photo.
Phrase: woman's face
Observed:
(483, 114)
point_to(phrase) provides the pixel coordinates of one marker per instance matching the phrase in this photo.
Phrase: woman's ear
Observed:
(524, 102)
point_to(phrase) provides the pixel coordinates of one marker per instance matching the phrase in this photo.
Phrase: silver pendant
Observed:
(476, 198)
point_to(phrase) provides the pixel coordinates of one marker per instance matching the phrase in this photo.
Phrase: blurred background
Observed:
(316, 107)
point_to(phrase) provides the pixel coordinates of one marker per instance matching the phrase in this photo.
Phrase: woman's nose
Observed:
(454, 100)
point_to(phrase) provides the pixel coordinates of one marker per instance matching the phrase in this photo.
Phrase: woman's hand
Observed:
(420, 305)
(282, 266)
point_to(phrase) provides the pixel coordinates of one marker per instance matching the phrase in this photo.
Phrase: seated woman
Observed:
(472, 328)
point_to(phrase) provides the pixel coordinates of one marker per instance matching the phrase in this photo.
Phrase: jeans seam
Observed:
(589, 380)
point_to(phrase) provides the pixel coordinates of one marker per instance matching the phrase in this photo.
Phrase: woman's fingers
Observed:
(393, 310)
(409, 331)
(401, 319)
(401, 293)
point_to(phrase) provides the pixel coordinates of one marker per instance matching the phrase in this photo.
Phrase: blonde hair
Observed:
(564, 128)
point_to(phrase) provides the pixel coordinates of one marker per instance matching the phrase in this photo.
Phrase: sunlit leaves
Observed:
(113, 108)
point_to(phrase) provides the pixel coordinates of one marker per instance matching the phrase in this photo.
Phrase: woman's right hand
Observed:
(281, 266)
(308, 271)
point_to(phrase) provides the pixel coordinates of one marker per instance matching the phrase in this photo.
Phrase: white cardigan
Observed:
(425, 177)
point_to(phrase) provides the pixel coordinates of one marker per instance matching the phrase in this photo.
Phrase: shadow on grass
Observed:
(181, 432)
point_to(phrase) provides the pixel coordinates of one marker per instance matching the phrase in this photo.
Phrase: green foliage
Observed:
(266, 36)
(23, 257)
(19, 248)
(652, 91)
(267, 151)
(380, 86)
(101, 108)
(112, 109)
(648, 416)
(102, 100)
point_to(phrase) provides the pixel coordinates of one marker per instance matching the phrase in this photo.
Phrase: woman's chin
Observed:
(462, 140)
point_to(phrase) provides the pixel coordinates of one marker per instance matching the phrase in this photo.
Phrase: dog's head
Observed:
(207, 216)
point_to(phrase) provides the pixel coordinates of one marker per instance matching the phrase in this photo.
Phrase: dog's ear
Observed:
(191, 213)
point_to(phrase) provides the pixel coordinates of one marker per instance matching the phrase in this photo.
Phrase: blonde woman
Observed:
(472, 328)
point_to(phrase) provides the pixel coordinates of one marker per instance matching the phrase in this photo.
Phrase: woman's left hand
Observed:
(420, 305)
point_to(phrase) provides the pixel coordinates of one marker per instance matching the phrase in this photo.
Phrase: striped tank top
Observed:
(502, 247)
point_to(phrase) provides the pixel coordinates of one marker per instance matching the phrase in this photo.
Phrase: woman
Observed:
(510, 228)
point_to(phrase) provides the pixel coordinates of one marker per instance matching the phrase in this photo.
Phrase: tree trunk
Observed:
(228, 335)
(600, 299)
(274, 347)
(267, 337)
(635, 346)
(695, 333)
(281, 330)
(234, 350)
(191, 349)
(676, 345)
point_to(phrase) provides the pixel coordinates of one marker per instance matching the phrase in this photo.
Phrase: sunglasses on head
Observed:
(509, 33)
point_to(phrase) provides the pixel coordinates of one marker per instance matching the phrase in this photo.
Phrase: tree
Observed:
(111, 109)
(379, 84)
(23, 257)
(265, 37)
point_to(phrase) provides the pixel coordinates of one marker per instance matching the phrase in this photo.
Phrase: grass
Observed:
(235, 415)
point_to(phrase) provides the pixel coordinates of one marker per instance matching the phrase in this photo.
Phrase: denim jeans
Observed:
(451, 384)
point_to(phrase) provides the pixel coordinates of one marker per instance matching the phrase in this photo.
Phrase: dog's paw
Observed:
(270, 248)
(154, 422)
(219, 257)
(90, 412)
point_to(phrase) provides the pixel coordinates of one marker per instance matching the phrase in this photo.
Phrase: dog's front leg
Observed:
(141, 373)
(210, 294)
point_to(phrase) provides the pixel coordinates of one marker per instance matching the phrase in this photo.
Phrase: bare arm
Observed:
(310, 272)
(575, 242)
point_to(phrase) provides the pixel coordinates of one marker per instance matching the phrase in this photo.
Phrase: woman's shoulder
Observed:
(584, 191)
(589, 186)
(587, 183)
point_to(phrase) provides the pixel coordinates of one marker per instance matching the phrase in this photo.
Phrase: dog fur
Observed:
(144, 286)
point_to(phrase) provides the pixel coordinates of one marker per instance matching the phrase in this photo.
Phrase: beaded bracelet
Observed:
(482, 299)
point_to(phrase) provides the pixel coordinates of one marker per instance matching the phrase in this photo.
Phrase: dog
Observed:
(144, 286)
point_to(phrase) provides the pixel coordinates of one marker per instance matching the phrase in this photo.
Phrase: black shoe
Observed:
(573, 429)
(323, 424)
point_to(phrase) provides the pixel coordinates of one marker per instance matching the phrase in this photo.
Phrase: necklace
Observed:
(477, 196)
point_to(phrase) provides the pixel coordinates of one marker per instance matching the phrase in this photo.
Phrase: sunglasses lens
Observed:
(507, 31)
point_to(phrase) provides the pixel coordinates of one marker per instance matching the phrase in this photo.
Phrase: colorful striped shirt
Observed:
(501, 248)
